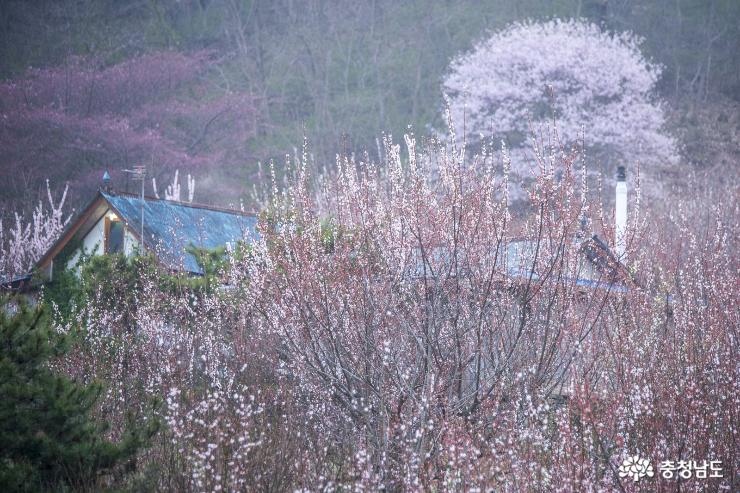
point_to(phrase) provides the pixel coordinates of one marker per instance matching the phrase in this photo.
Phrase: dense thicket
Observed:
(383, 333)
(345, 71)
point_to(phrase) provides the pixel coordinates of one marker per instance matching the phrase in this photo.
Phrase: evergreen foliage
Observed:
(48, 438)
(117, 279)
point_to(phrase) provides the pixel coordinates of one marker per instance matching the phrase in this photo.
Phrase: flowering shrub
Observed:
(455, 366)
(403, 328)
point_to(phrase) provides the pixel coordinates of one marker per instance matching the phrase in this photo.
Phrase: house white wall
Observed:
(94, 241)
(130, 243)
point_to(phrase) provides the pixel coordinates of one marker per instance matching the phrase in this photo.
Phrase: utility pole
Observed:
(139, 173)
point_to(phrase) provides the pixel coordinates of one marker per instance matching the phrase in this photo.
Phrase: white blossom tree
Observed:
(593, 84)
(25, 240)
(172, 192)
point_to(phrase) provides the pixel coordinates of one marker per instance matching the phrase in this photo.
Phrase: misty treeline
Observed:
(220, 85)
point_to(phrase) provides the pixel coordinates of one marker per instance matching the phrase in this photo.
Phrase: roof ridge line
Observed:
(183, 204)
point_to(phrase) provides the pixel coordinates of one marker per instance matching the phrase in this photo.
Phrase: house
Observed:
(112, 223)
(598, 265)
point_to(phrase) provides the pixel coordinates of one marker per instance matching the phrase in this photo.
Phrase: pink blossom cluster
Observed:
(160, 109)
(404, 328)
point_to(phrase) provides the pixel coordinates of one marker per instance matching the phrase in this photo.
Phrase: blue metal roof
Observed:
(519, 256)
(171, 227)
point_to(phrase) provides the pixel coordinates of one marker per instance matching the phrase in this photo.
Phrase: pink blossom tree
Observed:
(402, 328)
(445, 359)
(597, 85)
(72, 121)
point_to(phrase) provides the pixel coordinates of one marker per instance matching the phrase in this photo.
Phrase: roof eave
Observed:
(69, 233)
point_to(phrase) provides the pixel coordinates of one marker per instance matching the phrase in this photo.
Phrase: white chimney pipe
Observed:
(620, 214)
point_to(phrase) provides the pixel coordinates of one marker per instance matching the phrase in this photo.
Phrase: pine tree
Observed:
(48, 439)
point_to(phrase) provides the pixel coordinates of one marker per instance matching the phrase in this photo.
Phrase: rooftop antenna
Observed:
(139, 173)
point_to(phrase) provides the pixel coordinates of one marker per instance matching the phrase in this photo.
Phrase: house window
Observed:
(113, 235)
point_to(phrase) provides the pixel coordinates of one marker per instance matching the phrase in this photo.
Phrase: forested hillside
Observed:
(215, 86)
